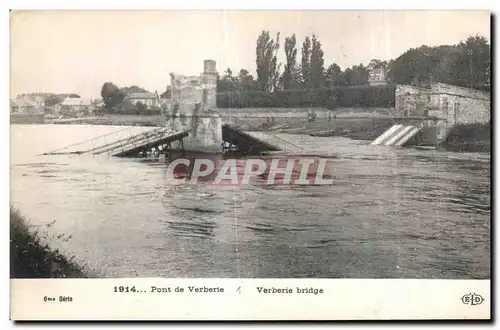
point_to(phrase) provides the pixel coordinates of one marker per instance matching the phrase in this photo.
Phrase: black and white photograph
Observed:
(232, 144)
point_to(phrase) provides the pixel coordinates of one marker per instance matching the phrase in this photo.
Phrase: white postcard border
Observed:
(249, 299)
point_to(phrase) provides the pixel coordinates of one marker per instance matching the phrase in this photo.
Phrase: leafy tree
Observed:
(334, 76)
(317, 70)
(376, 64)
(141, 107)
(306, 63)
(52, 100)
(227, 83)
(465, 64)
(133, 89)
(356, 75)
(475, 60)
(245, 81)
(111, 95)
(420, 66)
(289, 77)
(267, 62)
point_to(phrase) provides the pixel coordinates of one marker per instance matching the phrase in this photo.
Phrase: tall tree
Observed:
(317, 63)
(267, 62)
(476, 61)
(306, 63)
(289, 76)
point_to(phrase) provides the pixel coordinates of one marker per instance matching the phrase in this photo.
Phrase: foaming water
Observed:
(390, 213)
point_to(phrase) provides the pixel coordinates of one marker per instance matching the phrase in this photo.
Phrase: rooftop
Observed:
(71, 101)
(141, 96)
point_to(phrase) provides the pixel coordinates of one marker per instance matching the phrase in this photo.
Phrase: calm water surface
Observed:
(391, 213)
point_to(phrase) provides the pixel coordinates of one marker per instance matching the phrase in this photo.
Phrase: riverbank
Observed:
(462, 138)
(31, 257)
(467, 138)
(19, 118)
(114, 120)
(360, 128)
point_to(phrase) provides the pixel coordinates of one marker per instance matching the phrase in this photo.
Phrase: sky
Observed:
(78, 51)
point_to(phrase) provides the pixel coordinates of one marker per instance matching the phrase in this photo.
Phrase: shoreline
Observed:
(463, 138)
(31, 256)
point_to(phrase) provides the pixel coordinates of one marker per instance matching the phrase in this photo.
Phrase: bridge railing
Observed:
(81, 144)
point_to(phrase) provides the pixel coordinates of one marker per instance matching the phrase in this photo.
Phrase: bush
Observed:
(31, 257)
(471, 133)
(348, 96)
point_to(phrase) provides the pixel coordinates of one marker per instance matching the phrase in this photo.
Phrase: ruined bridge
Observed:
(192, 124)
(159, 140)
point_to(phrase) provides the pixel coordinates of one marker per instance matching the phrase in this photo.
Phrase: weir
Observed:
(397, 135)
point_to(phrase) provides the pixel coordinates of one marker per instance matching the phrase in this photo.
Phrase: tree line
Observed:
(304, 81)
(465, 64)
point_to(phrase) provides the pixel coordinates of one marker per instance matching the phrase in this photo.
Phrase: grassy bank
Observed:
(356, 128)
(116, 120)
(31, 257)
(469, 138)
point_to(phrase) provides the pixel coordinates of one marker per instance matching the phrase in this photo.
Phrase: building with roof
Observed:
(27, 105)
(74, 105)
(377, 76)
(151, 100)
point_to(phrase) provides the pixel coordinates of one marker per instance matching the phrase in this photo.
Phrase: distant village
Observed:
(135, 100)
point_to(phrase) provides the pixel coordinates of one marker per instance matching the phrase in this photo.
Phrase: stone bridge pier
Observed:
(192, 107)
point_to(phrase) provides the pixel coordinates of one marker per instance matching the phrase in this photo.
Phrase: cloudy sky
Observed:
(77, 51)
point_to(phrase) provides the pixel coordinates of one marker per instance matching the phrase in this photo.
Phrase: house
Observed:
(74, 105)
(14, 108)
(98, 103)
(377, 76)
(27, 105)
(151, 100)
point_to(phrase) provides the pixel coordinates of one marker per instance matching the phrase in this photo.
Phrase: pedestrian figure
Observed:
(313, 117)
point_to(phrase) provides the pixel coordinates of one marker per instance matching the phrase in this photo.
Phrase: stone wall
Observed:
(187, 91)
(303, 112)
(451, 105)
(459, 105)
(205, 135)
(412, 101)
(210, 84)
(192, 98)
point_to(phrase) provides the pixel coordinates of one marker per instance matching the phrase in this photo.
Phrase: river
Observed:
(390, 213)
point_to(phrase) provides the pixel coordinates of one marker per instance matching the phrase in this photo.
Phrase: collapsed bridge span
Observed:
(130, 146)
